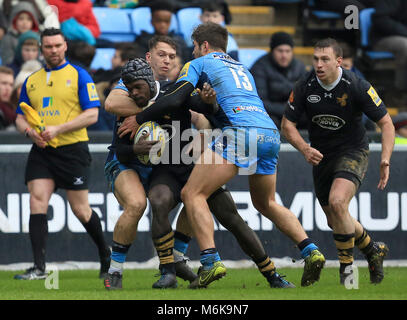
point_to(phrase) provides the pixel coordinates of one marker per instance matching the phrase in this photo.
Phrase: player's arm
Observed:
(204, 101)
(375, 109)
(292, 114)
(119, 103)
(388, 135)
(175, 98)
(126, 151)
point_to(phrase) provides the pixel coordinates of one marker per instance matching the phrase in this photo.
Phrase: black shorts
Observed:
(173, 176)
(68, 165)
(351, 165)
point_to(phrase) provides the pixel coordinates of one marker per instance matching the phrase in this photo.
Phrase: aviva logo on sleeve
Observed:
(92, 93)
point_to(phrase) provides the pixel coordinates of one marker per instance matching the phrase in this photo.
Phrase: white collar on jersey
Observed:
(329, 87)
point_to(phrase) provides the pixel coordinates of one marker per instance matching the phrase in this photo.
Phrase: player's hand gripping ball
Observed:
(154, 132)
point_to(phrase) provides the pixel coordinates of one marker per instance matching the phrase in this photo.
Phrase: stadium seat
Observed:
(248, 56)
(141, 21)
(102, 59)
(114, 24)
(365, 25)
(188, 19)
(311, 12)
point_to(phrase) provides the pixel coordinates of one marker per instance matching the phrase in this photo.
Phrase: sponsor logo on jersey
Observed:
(314, 98)
(92, 93)
(375, 97)
(328, 95)
(327, 121)
(78, 181)
(184, 71)
(342, 100)
(47, 102)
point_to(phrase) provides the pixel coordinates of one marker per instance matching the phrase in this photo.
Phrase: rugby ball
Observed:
(154, 132)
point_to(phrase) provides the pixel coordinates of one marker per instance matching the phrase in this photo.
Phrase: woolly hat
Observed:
(280, 38)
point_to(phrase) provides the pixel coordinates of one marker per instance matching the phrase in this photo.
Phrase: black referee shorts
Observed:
(351, 165)
(68, 165)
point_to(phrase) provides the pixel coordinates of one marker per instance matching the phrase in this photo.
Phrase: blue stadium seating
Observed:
(114, 24)
(141, 21)
(365, 25)
(310, 11)
(102, 59)
(248, 56)
(188, 19)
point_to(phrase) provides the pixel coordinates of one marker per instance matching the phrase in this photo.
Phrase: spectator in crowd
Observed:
(26, 70)
(77, 20)
(390, 34)
(7, 113)
(3, 25)
(47, 16)
(275, 75)
(124, 51)
(23, 18)
(217, 11)
(400, 125)
(161, 15)
(28, 48)
(81, 53)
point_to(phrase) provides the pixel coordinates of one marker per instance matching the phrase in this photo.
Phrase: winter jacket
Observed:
(81, 11)
(274, 84)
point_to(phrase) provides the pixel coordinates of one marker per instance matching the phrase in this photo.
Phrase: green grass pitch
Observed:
(239, 284)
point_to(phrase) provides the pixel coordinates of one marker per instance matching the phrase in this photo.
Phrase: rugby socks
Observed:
(266, 267)
(364, 243)
(306, 246)
(118, 257)
(181, 243)
(38, 229)
(94, 229)
(344, 244)
(209, 257)
(164, 246)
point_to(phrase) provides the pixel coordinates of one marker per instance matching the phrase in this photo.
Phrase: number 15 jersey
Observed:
(235, 89)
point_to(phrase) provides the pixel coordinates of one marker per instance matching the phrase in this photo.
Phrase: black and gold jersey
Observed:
(335, 115)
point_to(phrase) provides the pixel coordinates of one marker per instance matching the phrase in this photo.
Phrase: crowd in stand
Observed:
(275, 73)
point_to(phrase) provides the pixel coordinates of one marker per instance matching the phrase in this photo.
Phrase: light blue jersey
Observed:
(235, 89)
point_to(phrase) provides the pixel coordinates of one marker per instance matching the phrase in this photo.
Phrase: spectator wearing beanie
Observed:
(275, 75)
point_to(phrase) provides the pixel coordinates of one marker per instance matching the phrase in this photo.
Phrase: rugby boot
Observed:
(32, 273)
(205, 277)
(167, 280)
(276, 281)
(113, 281)
(312, 268)
(184, 271)
(375, 262)
(104, 267)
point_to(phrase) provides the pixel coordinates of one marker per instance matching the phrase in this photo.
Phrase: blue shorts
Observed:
(113, 168)
(254, 150)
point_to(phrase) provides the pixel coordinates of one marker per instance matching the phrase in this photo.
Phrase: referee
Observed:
(333, 100)
(65, 97)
